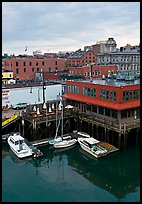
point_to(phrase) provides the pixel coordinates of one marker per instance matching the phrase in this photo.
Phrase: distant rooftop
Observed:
(112, 82)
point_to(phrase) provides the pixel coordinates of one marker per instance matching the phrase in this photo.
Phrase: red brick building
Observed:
(98, 71)
(80, 58)
(24, 68)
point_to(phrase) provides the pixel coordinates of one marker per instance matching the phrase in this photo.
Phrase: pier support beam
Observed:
(92, 130)
(97, 131)
(107, 135)
(137, 135)
(125, 139)
(119, 140)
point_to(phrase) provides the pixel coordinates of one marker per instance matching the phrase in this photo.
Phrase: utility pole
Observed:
(43, 83)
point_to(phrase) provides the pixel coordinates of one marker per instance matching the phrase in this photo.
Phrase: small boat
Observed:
(65, 143)
(66, 140)
(91, 145)
(18, 146)
(83, 135)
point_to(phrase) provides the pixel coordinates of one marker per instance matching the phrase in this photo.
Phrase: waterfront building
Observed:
(30, 94)
(111, 104)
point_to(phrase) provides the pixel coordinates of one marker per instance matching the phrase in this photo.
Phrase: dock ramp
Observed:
(109, 147)
(10, 120)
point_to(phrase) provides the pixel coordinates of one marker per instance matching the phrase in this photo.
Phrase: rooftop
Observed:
(112, 82)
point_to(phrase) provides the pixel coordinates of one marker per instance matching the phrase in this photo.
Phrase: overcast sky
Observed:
(67, 26)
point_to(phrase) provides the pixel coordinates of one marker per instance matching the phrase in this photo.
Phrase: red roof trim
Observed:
(99, 102)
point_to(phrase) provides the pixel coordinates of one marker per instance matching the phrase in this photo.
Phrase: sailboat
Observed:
(67, 140)
(58, 138)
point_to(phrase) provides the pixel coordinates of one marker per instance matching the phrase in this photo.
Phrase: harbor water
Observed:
(69, 175)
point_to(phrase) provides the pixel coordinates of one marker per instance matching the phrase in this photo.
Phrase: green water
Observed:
(71, 176)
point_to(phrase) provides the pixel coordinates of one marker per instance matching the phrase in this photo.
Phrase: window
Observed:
(24, 69)
(93, 92)
(43, 63)
(37, 69)
(17, 71)
(32, 69)
(24, 63)
(30, 63)
(36, 63)
(16, 64)
(88, 91)
(131, 95)
(112, 95)
(102, 94)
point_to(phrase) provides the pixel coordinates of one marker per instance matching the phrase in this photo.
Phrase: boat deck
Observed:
(109, 147)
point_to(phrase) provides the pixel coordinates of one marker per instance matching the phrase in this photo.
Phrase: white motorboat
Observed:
(65, 143)
(19, 146)
(83, 135)
(91, 145)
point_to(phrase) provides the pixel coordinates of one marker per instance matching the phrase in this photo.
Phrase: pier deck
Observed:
(110, 148)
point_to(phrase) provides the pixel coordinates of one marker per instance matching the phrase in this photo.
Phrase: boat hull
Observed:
(65, 143)
(93, 149)
(89, 151)
(18, 146)
(22, 154)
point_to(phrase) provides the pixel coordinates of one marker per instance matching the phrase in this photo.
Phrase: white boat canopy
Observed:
(91, 140)
(69, 106)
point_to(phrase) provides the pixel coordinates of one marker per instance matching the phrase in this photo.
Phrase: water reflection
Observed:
(118, 173)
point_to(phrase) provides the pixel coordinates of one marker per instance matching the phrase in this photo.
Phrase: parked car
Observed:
(20, 106)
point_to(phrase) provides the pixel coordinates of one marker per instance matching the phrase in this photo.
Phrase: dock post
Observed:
(97, 131)
(23, 127)
(92, 129)
(119, 140)
(137, 136)
(125, 140)
(19, 128)
(105, 134)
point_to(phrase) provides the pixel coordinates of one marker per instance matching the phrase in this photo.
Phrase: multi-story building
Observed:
(81, 57)
(126, 58)
(25, 67)
(112, 105)
(93, 71)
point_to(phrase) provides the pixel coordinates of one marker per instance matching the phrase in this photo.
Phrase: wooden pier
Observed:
(110, 148)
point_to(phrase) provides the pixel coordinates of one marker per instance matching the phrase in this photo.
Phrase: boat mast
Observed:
(62, 114)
